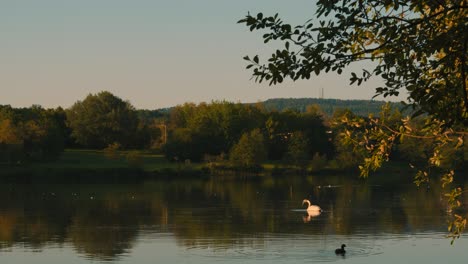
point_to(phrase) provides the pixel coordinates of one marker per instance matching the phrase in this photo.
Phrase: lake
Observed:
(225, 220)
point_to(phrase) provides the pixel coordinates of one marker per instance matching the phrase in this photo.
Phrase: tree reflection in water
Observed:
(208, 213)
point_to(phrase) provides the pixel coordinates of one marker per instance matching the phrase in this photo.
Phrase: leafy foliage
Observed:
(196, 130)
(281, 127)
(212, 129)
(375, 139)
(102, 119)
(29, 134)
(250, 151)
(298, 153)
(347, 154)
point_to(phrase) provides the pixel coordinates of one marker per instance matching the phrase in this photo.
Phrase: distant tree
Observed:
(29, 134)
(102, 119)
(148, 135)
(60, 116)
(8, 132)
(150, 130)
(11, 143)
(250, 151)
(182, 145)
(277, 139)
(208, 129)
(43, 135)
(281, 125)
(298, 152)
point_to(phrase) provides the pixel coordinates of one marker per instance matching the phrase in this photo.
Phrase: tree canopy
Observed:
(102, 119)
(196, 131)
(30, 134)
(250, 151)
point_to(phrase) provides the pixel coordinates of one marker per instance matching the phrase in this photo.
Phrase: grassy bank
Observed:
(96, 165)
(97, 159)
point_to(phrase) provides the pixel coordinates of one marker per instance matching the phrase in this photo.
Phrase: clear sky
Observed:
(154, 53)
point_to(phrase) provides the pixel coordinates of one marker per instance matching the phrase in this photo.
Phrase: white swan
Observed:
(311, 209)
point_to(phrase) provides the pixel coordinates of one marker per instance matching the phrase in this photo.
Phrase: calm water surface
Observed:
(209, 221)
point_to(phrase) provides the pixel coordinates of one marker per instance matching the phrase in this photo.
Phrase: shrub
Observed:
(250, 151)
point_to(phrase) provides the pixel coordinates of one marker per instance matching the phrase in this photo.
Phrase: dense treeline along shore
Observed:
(104, 134)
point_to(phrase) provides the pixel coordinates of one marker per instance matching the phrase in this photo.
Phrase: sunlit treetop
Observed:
(418, 46)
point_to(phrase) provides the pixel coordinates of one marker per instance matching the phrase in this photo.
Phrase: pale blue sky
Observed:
(154, 53)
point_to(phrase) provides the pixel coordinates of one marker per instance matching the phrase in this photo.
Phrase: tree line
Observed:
(241, 135)
(99, 121)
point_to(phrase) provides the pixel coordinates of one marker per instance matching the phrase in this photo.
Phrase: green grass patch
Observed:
(74, 163)
(98, 159)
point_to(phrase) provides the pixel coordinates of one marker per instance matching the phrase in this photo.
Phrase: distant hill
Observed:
(328, 106)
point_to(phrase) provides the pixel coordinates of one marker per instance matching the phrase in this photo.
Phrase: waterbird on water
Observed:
(311, 208)
(341, 251)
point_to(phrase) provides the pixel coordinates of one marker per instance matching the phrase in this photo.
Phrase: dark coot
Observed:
(340, 251)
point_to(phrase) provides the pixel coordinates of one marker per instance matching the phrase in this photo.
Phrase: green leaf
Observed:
(255, 59)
